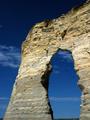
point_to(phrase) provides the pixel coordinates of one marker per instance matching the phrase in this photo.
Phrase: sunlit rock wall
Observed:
(29, 99)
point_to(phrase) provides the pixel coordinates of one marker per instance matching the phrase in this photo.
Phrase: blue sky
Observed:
(16, 19)
(63, 90)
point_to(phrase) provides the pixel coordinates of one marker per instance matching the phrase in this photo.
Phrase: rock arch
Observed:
(29, 99)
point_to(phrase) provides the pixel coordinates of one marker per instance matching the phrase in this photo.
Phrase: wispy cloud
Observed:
(3, 106)
(59, 99)
(4, 98)
(9, 56)
(66, 55)
(3, 102)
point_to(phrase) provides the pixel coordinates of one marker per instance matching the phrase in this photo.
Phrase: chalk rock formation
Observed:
(29, 99)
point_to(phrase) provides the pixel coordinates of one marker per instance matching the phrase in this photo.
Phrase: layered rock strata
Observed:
(29, 99)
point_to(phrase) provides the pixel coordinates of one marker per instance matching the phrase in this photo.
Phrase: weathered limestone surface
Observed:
(29, 100)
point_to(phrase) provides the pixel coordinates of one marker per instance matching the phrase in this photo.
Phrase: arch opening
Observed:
(63, 92)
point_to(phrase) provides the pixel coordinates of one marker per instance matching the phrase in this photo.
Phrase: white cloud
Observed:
(3, 102)
(4, 98)
(58, 99)
(66, 56)
(9, 56)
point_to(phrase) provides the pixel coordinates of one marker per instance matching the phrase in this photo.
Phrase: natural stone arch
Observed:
(46, 76)
(72, 32)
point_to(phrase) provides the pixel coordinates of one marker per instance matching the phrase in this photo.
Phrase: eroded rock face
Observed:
(29, 99)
